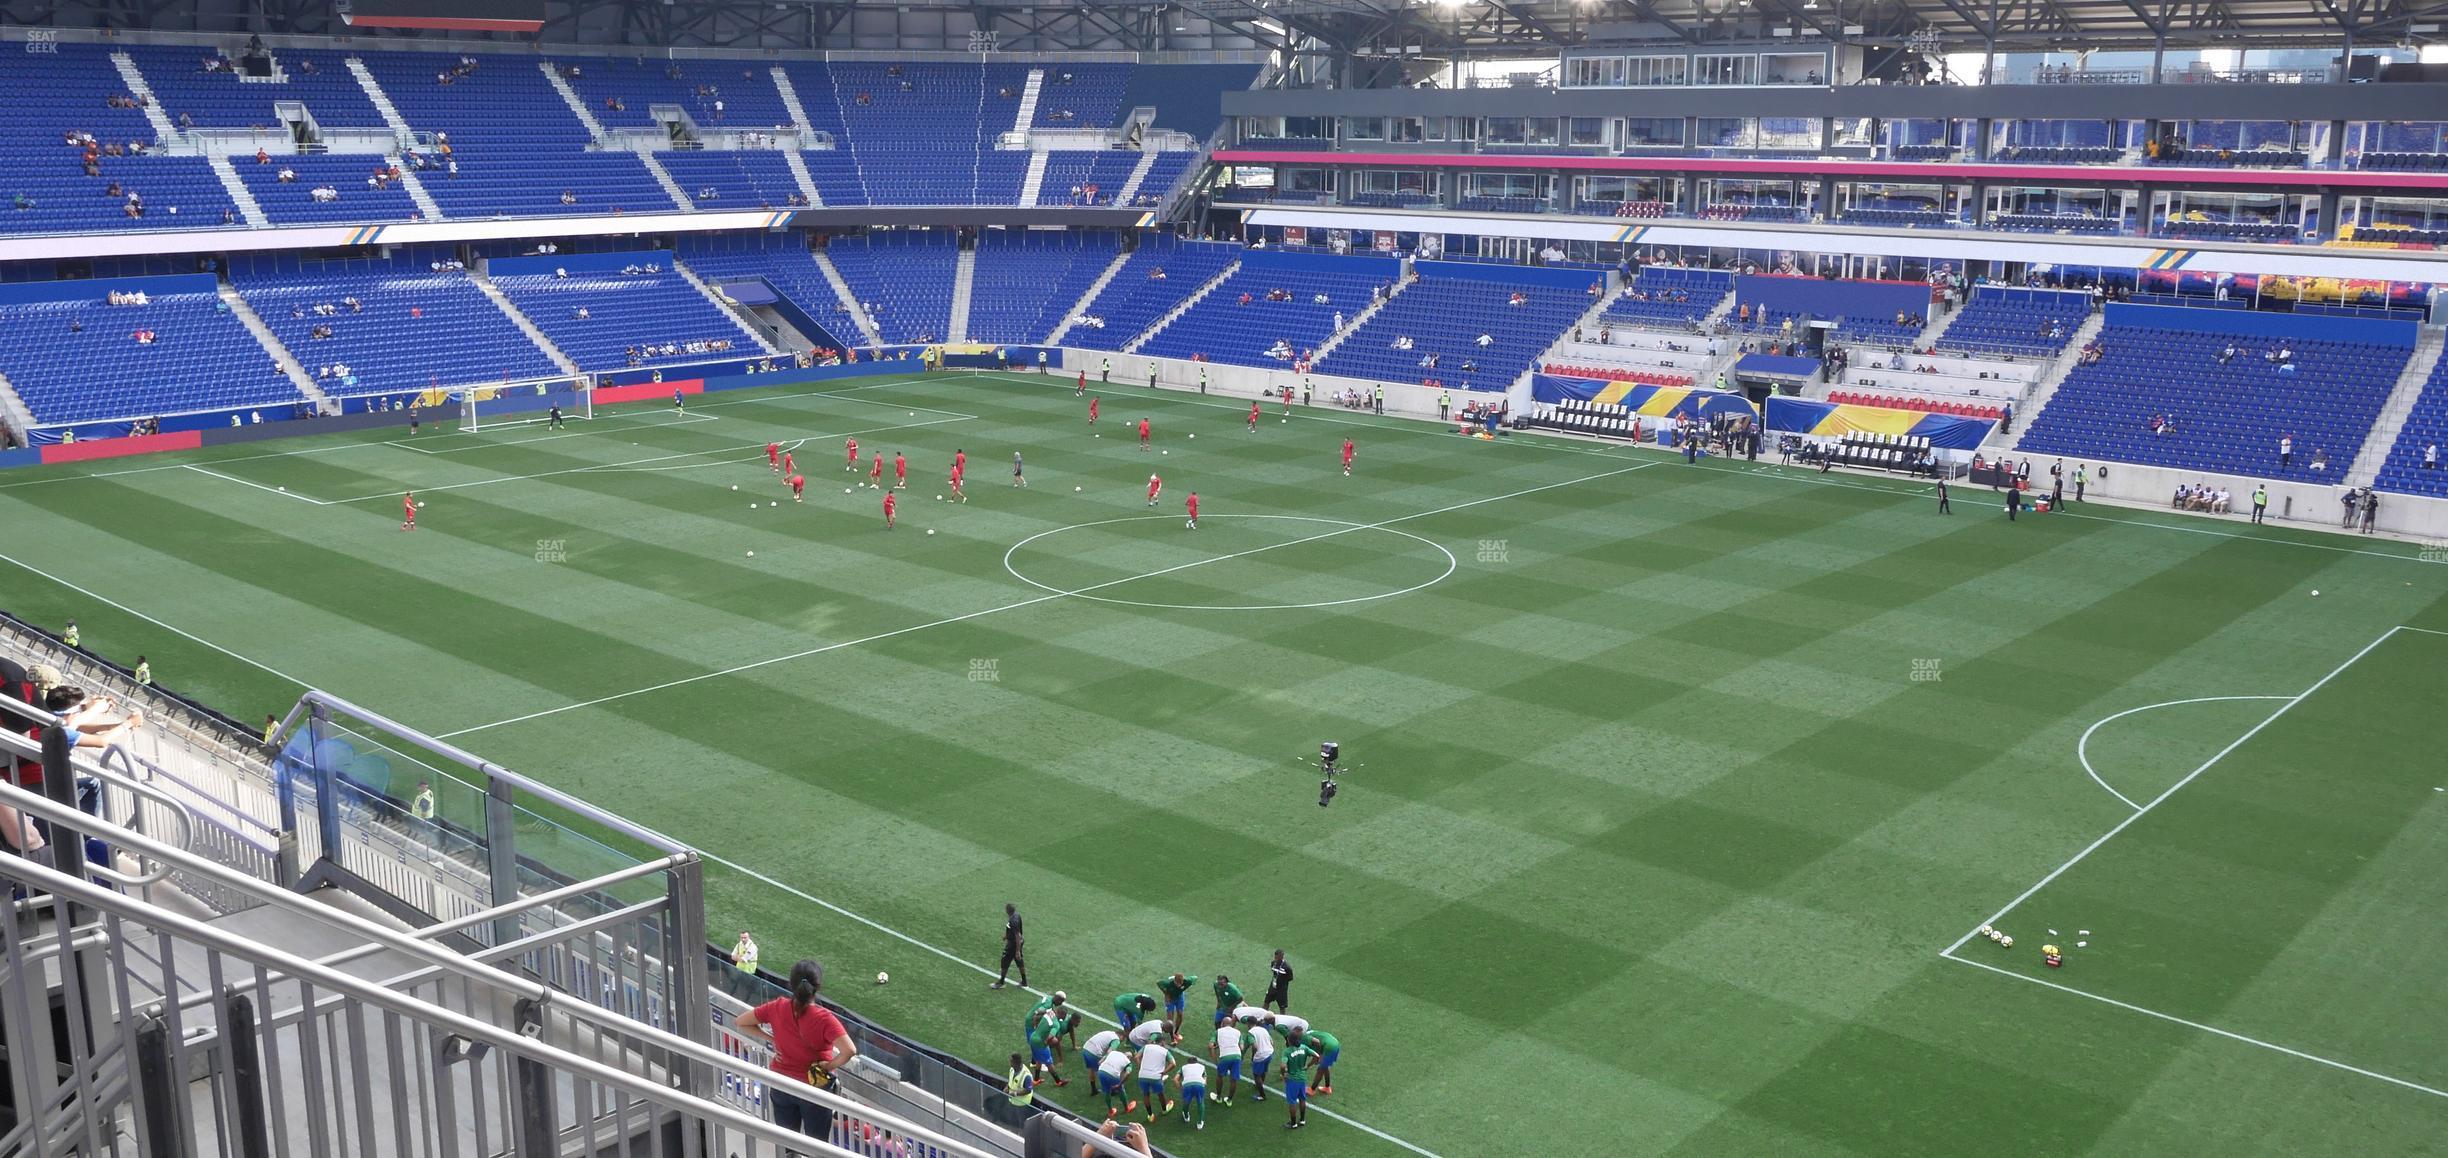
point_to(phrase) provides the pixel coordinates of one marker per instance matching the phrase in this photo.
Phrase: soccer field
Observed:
(1683, 789)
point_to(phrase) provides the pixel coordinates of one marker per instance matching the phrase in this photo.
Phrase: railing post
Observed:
(684, 959)
(158, 1091)
(538, 1133)
(284, 789)
(326, 786)
(501, 855)
(246, 1076)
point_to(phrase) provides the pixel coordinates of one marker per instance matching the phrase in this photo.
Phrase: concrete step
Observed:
(964, 283)
(1133, 346)
(278, 352)
(163, 131)
(526, 325)
(1094, 288)
(799, 173)
(381, 101)
(849, 301)
(2399, 407)
(248, 208)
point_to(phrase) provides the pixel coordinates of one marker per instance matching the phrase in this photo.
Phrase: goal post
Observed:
(523, 403)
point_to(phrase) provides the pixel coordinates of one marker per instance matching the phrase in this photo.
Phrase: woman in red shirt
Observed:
(809, 1043)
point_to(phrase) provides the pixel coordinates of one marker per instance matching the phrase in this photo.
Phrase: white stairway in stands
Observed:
(381, 101)
(964, 283)
(418, 194)
(1355, 321)
(14, 415)
(791, 105)
(2398, 408)
(849, 301)
(1094, 288)
(1027, 115)
(163, 130)
(680, 197)
(799, 172)
(2051, 379)
(1139, 172)
(569, 96)
(248, 208)
(1035, 180)
(1181, 309)
(518, 317)
(279, 353)
(730, 308)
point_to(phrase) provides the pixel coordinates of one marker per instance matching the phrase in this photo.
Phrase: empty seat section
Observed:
(622, 91)
(737, 179)
(51, 95)
(782, 262)
(624, 311)
(75, 358)
(1239, 324)
(2426, 426)
(1026, 283)
(415, 327)
(1155, 279)
(517, 145)
(1669, 297)
(225, 99)
(294, 203)
(2027, 322)
(1069, 174)
(905, 280)
(1444, 314)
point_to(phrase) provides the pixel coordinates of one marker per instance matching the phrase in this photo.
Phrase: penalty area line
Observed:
(2213, 1030)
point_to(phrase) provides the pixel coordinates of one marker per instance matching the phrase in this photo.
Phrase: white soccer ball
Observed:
(1169, 452)
(2315, 593)
(752, 506)
(734, 486)
(1194, 436)
(2006, 942)
(775, 503)
(421, 506)
(1075, 488)
(845, 490)
(752, 554)
(1986, 930)
(883, 978)
(284, 490)
(1287, 419)
(930, 530)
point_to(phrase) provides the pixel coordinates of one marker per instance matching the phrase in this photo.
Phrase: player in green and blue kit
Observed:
(1329, 1050)
(1092, 1052)
(1193, 1073)
(1228, 1050)
(1176, 990)
(1227, 995)
(1298, 1061)
(1110, 1074)
(1132, 1008)
(1038, 1011)
(1042, 1039)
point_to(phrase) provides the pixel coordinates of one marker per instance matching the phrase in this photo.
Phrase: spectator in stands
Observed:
(21, 201)
(2320, 460)
(1484, 340)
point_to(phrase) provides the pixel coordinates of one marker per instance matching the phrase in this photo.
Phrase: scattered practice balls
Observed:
(883, 978)
(930, 530)
(2315, 593)
(752, 554)
(1075, 488)
(284, 490)
(734, 486)
(1194, 436)
(845, 490)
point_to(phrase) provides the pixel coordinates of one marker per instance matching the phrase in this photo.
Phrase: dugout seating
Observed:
(905, 277)
(1899, 453)
(2228, 418)
(1026, 282)
(1600, 419)
(1134, 299)
(418, 328)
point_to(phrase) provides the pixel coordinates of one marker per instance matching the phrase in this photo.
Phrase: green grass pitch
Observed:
(1683, 787)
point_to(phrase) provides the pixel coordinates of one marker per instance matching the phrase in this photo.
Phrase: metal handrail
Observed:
(428, 953)
(491, 771)
(53, 810)
(517, 1044)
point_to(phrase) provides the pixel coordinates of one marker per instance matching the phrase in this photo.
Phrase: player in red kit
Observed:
(773, 457)
(1083, 383)
(900, 471)
(888, 510)
(798, 486)
(958, 495)
(1092, 410)
(853, 450)
(1253, 425)
(1192, 503)
(875, 474)
(1347, 457)
(960, 462)
(1144, 428)
(1155, 486)
(1287, 397)
(408, 511)
(790, 464)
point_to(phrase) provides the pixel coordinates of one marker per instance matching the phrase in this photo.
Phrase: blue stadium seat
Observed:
(1137, 296)
(74, 359)
(1026, 282)
(625, 312)
(417, 328)
(906, 276)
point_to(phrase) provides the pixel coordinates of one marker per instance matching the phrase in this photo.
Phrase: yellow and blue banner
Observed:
(1639, 397)
(1837, 420)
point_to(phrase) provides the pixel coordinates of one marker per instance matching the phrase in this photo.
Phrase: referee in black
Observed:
(1944, 507)
(1012, 945)
(1279, 985)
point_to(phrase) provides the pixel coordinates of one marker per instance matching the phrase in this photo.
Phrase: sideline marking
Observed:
(2083, 745)
(174, 629)
(2156, 801)
(981, 970)
(2229, 1034)
(1030, 602)
(258, 486)
(1451, 565)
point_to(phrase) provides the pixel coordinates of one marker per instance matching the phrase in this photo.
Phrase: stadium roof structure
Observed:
(1383, 29)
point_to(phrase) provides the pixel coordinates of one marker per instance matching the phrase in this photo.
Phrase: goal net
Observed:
(529, 403)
